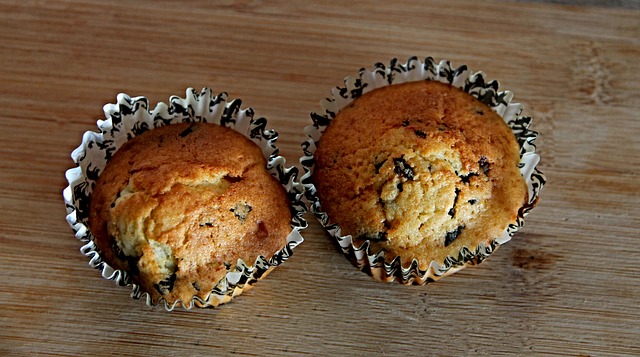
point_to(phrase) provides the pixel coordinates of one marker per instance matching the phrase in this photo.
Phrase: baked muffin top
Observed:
(419, 169)
(177, 206)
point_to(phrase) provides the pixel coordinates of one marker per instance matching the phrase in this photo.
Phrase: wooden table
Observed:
(568, 284)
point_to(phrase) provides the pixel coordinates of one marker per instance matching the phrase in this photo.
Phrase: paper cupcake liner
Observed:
(461, 77)
(130, 117)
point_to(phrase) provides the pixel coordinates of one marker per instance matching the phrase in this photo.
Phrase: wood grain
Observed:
(567, 285)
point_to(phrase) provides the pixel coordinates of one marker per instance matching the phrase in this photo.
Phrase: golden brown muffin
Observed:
(177, 206)
(419, 169)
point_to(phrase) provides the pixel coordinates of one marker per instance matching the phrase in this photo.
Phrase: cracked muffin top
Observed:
(177, 206)
(419, 169)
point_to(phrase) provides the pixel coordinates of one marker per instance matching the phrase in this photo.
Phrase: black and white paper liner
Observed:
(414, 69)
(129, 117)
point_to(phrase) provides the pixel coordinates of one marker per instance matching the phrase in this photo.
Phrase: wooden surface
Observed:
(568, 284)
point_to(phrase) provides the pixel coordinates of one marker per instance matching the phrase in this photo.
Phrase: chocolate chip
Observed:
(405, 123)
(116, 249)
(452, 211)
(472, 201)
(480, 112)
(208, 224)
(421, 134)
(241, 211)
(399, 186)
(403, 169)
(484, 164)
(232, 179)
(466, 178)
(451, 236)
(166, 285)
(186, 131)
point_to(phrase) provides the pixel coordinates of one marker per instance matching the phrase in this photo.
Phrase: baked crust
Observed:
(177, 206)
(419, 169)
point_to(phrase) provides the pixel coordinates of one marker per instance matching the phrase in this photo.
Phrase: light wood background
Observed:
(567, 285)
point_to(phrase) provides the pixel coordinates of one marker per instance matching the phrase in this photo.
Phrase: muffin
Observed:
(179, 205)
(189, 203)
(419, 177)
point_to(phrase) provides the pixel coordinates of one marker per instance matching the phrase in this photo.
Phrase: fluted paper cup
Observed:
(129, 117)
(380, 75)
